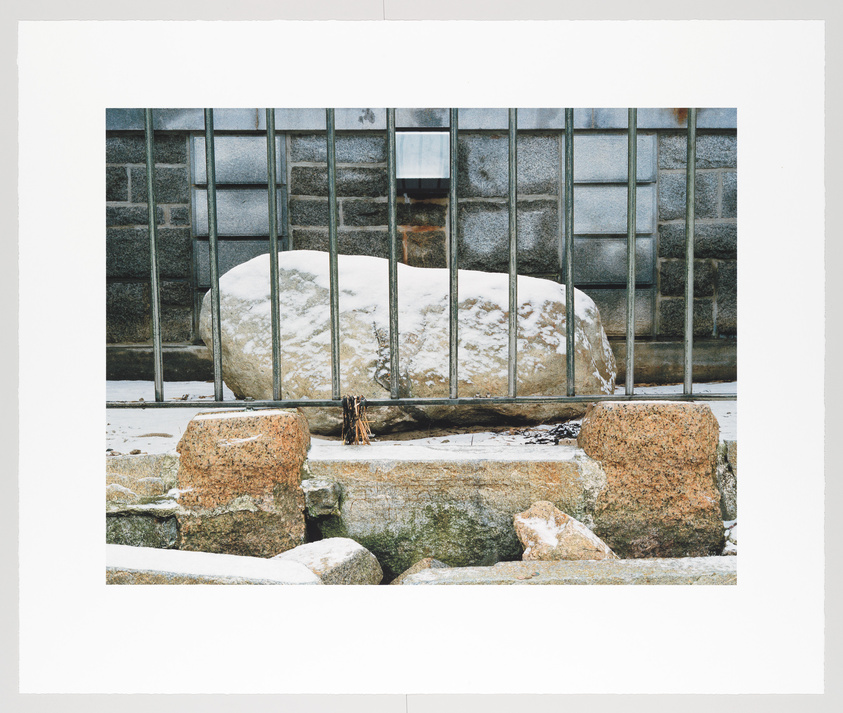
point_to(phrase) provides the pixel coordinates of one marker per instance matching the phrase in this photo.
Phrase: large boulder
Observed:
(304, 296)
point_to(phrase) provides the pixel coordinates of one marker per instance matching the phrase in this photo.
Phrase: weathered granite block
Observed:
(425, 248)
(313, 148)
(484, 237)
(727, 297)
(672, 277)
(116, 183)
(713, 151)
(711, 240)
(729, 208)
(127, 312)
(483, 168)
(118, 215)
(131, 148)
(230, 253)
(672, 195)
(672, 316)
(349, 242)
(127, 252)
(240, 480)
(354, 181)
(660, 498)
(172, 184)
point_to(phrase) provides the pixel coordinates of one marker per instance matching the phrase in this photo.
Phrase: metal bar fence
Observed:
(570, 331)
(155, 289)
(566, 267)
(513, 252)
(272, 198)
(332, 255)
(210, 168)
(393, 250)
(631, 225)
(690, 184)
(453, 257)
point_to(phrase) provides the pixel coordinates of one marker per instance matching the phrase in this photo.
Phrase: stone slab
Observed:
(694, 571)
(407, 502)
(144, 565)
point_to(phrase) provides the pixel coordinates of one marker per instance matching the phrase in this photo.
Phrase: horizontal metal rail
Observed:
(565, 276)
(443, 401)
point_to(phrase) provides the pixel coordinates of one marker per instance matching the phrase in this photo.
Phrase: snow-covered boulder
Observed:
(547, 533)
(337, 560)
(304, 291)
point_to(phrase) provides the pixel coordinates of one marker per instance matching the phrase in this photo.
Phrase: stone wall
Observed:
(599, 209)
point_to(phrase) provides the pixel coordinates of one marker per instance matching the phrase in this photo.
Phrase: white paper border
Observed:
(79, 636)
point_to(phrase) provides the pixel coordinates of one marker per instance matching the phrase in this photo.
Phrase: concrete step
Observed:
(684, 570)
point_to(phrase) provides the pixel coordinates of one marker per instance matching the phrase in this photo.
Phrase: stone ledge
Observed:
(146, 565)
(686, 570)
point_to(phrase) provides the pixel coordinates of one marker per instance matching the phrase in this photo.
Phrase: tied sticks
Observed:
(355, 425)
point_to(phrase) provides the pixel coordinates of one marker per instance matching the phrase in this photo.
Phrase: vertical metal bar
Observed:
(214, 256)
(332, 253)
(690, 184)
(285, 197)
(157, 356)
(631, 188)
(272, 192)
(453, 259)
(570, 326)
(393, 249)
(513, 252)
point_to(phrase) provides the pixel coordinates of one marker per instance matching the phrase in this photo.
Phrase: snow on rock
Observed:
(336, 560)
(148, 565)
(547, 533)
(304, 296)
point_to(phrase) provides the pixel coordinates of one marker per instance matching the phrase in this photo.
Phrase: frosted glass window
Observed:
(422, 154)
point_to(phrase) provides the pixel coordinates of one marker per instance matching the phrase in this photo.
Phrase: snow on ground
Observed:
(158, 430)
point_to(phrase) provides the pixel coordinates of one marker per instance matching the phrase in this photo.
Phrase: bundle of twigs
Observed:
(355, 425)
